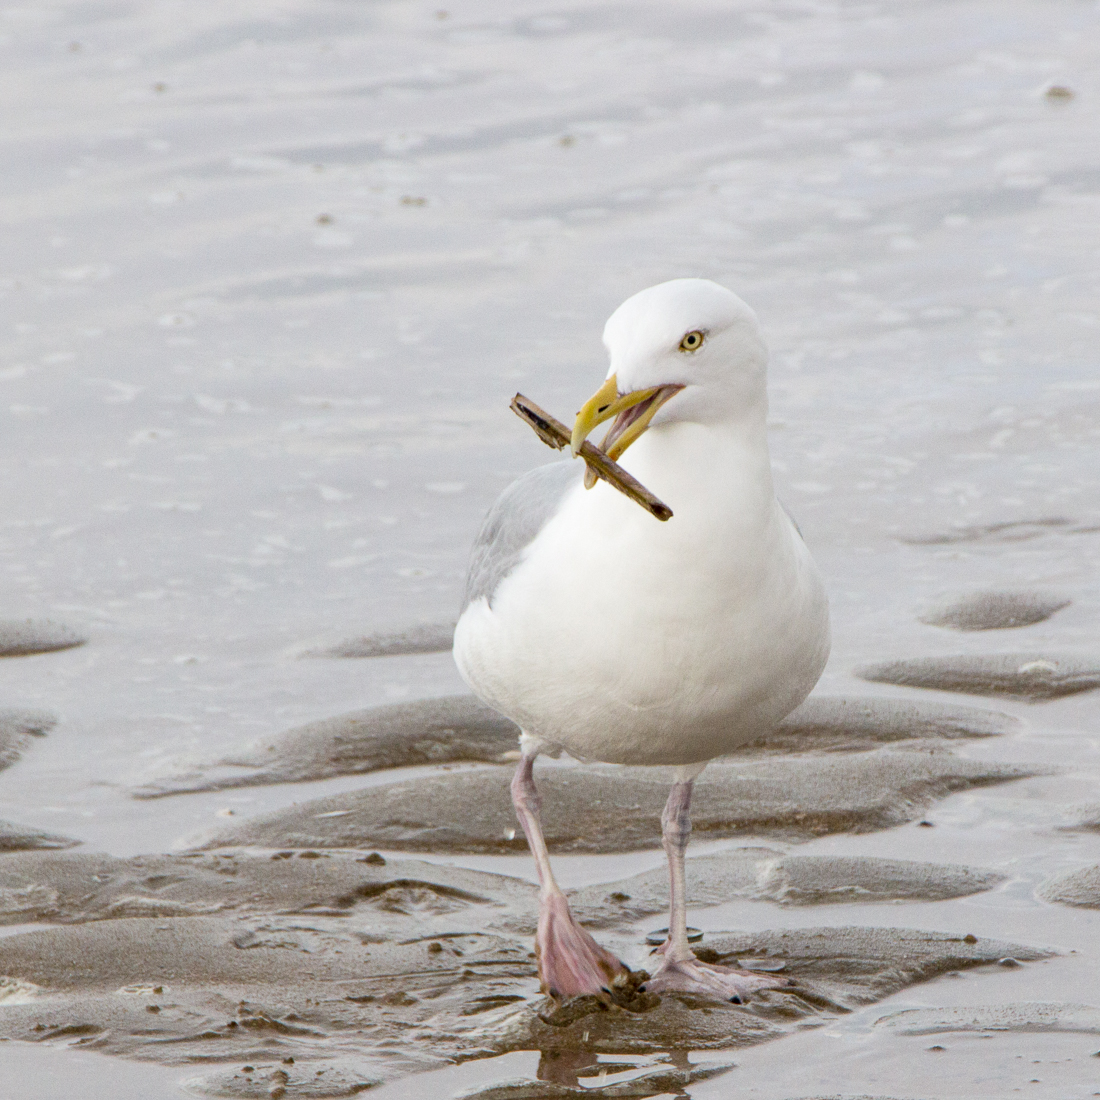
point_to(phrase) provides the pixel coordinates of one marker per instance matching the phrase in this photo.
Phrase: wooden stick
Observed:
(555, 434)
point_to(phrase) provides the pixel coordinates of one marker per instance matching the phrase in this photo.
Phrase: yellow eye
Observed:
(693, 341)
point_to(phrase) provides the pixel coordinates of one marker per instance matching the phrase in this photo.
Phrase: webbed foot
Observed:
(709, 980)
(571, 963)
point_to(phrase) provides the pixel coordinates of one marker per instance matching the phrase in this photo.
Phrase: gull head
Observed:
(683, 351)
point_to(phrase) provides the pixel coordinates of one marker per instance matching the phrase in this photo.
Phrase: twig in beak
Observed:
(555, 434)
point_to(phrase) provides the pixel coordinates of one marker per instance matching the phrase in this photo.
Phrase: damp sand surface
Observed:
(613, 809)
(269, 296)
(461, 728)
(995, 610)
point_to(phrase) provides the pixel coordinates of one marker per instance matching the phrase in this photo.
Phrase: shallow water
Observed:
(273, 275)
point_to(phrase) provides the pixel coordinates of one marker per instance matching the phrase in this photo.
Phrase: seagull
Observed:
(616, 638)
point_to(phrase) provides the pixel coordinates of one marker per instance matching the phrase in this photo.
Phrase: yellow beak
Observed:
(606, 403)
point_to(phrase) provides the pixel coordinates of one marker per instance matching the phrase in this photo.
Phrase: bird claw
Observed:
(715, 983)
(571, 963)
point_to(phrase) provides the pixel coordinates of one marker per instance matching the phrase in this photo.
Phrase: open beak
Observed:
(632, 412)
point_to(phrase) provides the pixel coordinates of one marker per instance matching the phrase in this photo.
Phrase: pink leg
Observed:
(681, 970)
(571, 963)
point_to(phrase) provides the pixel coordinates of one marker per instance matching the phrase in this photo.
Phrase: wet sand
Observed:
(17, 727)
(461, 728)
(429, 638)
(1034, 676)
(329, 983)
(613, 809)
(20, 639)
(271, 282)
(995, 610)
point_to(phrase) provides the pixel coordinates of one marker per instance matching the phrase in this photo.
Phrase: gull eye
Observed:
(693, 341)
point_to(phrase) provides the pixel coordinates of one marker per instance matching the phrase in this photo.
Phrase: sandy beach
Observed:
(272, 276)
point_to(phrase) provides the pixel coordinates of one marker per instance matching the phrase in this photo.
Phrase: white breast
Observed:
(626, 640)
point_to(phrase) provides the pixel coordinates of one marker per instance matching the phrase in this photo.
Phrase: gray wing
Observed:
(519, 514)
(794, 522)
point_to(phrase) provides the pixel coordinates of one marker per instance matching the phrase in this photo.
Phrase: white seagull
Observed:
(605, 633)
